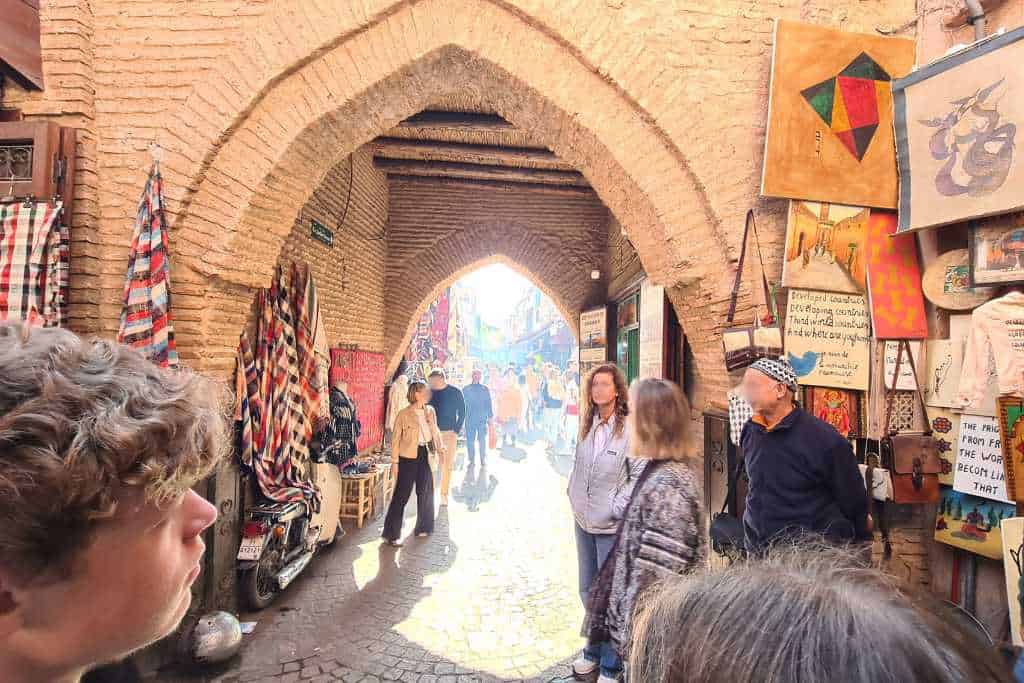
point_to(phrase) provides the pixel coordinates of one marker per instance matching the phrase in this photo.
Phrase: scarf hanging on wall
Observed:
(146, 312)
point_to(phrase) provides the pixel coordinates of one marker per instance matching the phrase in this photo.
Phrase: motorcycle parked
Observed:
(280, 539)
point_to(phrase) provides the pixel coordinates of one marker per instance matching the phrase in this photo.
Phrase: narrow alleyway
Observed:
(492, 595)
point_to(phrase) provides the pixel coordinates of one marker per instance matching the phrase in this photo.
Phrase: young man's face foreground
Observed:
(130, 587)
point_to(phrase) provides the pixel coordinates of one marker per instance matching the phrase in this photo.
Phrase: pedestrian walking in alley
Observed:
(450, 406)
(601, 475)
(553, 396)
(510, 408)
(813, 614)
(571, 417)
(661, 534)
(417, 442)
(803, 474)
(102, 532)
(479, 413)
(533, 383)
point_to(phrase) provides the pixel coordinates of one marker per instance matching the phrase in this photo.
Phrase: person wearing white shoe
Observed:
(601, 473)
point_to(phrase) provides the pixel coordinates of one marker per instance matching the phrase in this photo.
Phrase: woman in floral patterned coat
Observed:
(662, 530)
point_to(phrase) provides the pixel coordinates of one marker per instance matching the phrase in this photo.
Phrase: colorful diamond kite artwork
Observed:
(849, 101)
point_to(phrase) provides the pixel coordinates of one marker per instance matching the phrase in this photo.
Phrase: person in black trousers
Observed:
(416, 441)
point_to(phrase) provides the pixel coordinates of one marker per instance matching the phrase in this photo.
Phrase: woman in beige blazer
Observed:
(415, 436)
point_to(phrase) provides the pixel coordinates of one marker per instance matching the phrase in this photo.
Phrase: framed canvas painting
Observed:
(894, 281)
(825, 247)
(997, 251)
(942, 378)
(972, 523)
(1012, 531)
(957, 121)
(829, 132)
(840, 408)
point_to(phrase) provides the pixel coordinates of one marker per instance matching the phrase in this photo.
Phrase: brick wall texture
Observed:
(349, 276)
(258, 105)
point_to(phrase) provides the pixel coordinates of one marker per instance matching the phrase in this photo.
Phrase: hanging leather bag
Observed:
(911, 457)
(744, 344)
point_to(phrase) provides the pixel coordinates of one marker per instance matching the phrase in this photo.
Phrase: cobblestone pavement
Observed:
(491, 596)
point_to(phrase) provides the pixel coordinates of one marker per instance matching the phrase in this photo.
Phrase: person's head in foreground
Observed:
(101, 535)
(658, 420)
(801, 614)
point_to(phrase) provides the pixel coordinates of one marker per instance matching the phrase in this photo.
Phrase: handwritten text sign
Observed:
(979, 459)
(828, 338)
(906, 381)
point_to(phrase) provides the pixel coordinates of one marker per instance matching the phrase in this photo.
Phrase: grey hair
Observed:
(804, 613)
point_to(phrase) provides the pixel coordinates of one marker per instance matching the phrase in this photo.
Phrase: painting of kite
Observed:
(894, 281)
(825, 247)
(957, 121)
(830, 135)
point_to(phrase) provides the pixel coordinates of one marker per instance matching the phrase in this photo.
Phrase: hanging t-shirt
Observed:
(997, 328)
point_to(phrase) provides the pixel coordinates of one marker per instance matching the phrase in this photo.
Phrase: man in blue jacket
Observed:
(479, 411)
(450, 407)
(803, 475)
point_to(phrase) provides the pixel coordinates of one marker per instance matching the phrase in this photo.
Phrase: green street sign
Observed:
(321, 232)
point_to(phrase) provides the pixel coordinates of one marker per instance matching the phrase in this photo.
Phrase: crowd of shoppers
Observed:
(100, 449)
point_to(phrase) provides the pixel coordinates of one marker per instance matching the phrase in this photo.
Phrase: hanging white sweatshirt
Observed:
(997, 328)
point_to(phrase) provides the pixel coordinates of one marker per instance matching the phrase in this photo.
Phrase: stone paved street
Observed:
(492, 595)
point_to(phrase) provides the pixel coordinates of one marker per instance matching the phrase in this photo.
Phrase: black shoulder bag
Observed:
(727, 536)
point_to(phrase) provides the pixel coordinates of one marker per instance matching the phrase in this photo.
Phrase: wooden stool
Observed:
(356, 498)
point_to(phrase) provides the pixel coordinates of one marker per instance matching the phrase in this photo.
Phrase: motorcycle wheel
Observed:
(258, 583)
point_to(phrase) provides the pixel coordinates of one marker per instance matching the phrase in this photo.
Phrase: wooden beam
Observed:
(489, 155)
(454, 119)
(444, 169)
(493, 184)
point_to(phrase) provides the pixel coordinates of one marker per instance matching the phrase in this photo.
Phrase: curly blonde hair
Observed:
(79, 421)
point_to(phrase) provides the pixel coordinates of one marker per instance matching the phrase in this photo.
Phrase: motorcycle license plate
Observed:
(251, 548)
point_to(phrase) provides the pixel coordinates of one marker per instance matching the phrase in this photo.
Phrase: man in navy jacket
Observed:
(803, 475)
(450, 407)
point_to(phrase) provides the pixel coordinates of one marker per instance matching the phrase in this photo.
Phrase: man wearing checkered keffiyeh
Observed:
(803, 475)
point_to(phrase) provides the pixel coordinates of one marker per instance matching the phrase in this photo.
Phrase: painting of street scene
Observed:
(825, 247)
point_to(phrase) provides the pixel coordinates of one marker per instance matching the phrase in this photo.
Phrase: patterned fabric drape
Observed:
(278, 393)
(34, 264)
(146, 313)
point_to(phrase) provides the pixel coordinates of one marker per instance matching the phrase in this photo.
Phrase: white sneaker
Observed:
(583, 666)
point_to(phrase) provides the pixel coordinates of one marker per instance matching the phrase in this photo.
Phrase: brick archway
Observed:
(517, 250)
(253, 142)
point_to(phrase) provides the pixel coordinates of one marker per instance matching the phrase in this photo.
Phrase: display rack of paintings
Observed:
(956, 124)
(971, 523)
(830, 134)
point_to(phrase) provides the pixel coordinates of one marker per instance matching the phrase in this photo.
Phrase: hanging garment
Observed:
(33, 263)
(277, 401)
(146, 312)
(398, 399)
(997, 328)
(338, 440)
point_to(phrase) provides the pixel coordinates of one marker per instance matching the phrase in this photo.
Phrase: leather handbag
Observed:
(744, 344)
(911, 457)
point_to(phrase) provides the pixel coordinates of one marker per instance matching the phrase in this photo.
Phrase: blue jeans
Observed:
(592, 551)
(476, 434)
